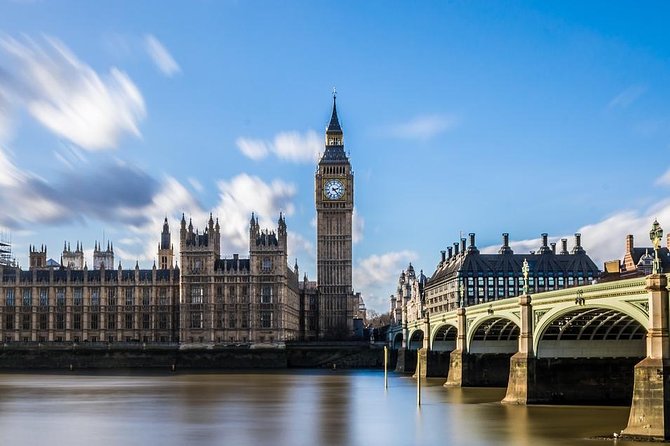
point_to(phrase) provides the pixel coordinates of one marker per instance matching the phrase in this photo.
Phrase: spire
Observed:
(334, 125)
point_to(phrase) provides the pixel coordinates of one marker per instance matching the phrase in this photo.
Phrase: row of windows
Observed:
(93, 323)
(78, 296)
(198, 294)
(265, 318)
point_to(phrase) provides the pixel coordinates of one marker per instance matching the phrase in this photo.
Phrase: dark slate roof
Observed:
(334, 154)
(473, 264)
(334, 125)
(663, 254)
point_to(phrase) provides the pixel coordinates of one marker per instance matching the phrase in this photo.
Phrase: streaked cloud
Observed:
(358, 224)
(663, 180)
(376, 276)
(605, 239)
(244, 194)
(627, 97)
(291, 146)
(67, 96)
(161, 56)
(423, 127)
(253, 148)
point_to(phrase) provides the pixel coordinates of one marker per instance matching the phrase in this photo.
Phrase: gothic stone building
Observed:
(253, 299)
(210, 299)
(51, 303)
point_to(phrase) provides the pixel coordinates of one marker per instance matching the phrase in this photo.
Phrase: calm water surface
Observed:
(292, 409)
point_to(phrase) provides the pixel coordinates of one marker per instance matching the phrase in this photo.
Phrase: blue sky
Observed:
(485, 117)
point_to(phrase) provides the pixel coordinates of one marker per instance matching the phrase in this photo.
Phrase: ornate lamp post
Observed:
(656, 235)
(524, 270)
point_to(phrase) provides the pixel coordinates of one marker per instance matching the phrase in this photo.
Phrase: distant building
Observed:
(637, 261)
(464, 276)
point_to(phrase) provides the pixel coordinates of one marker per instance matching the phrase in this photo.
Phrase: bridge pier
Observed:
(422, 353)
(650, 411)
(521, 383)
(458, 358)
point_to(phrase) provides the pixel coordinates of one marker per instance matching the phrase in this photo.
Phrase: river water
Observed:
(280, 408)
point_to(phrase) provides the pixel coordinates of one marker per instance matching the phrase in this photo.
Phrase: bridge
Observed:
(589, 344)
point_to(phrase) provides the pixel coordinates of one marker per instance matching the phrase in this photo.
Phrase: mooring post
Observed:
(418, 383)
(386, 366)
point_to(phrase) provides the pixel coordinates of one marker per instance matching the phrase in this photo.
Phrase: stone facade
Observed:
(211, 299)
(237, 300)
(82, 305)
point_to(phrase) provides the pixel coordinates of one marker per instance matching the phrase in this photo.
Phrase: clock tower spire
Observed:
(334, 199)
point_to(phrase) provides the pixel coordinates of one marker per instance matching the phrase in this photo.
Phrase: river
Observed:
(290, 408)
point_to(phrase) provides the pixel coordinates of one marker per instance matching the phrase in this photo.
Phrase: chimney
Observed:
(544, 248)
(504, 249)
(472, 246)
(450, 250)
(455, 249)
(553, 247)
(564, 246)
(463, 245)
(578, 244)
(629, 243)
(444, 255)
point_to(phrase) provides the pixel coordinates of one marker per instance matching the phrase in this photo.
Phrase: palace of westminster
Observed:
(203, 298)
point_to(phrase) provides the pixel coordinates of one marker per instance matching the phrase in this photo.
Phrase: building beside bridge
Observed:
(465, 276)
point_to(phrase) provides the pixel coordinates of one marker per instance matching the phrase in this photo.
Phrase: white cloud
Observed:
(423, 127)
(245, 194)
(627, 97)
(68, 97)
(358, 223)
(253, 148)
(161, 56)
(290, 146)
(302, 249)
(605, 240)
(6, 126)
(375, 277)
(663, 180)
(196, 185)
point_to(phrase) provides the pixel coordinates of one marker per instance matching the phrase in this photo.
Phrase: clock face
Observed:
(333, 189)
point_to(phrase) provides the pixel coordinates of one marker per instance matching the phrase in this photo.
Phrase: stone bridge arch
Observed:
(493, 333)
(443, 337)
(397, 341)
(415, 339)
(596, 330)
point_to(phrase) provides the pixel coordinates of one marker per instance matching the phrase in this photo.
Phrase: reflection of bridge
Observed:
(572, 345)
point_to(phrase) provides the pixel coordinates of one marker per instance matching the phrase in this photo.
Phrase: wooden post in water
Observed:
(418, 383)
(386, 367)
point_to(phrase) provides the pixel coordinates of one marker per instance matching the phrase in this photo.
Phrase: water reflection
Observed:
(280, 408)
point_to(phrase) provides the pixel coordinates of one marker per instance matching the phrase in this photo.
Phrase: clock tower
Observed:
(334, 196)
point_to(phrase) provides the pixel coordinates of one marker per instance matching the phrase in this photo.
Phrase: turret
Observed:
(334, 135)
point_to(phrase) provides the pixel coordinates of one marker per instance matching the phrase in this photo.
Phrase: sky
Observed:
(459, 117)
